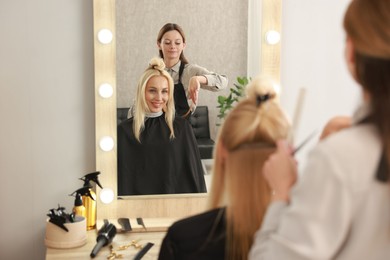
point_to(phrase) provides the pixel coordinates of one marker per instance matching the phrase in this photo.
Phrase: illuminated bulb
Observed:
(106, 143)
(272, 37)
(106, 195)
(277, 88)
(105, 36)
(105, 90)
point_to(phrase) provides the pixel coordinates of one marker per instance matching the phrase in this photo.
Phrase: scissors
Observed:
(304, 142)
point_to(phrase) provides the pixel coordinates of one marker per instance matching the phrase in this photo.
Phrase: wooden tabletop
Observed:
(121, 239)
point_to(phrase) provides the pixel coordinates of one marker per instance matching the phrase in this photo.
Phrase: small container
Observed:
(56, 237)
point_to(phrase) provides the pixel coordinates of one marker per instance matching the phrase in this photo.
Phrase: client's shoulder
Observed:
(198, 223)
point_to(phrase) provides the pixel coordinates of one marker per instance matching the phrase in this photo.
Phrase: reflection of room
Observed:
(104, 158)
(218, 44)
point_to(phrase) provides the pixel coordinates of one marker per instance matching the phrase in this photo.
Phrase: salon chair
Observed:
(200, 124)
(121, 114)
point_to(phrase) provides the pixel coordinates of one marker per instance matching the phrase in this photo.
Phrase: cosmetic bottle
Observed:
(79, 209)
(89, 198)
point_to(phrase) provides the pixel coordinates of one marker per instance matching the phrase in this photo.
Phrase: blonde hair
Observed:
(245, 141)
(156, 68)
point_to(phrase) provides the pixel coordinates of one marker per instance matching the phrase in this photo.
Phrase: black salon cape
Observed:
(159, 165)
(202, 236)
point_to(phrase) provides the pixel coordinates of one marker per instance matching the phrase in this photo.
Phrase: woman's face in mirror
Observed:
(172, 45)
(156, 93)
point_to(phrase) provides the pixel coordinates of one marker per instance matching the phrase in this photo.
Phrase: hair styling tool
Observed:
(59, 217)
(105, 236)
(297, 115)
(140, 221)
(143, 251)
(125, 225)
(304, 142)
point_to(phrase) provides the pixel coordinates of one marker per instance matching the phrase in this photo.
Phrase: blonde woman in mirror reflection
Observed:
(340, 207)
(157, 151)
(239, 194)
(188, 78)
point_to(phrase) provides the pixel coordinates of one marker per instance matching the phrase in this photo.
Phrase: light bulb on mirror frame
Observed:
(105, 36)
(106, 143)
(106, 195)
(272, 37)
(277, 88)
(105, 90)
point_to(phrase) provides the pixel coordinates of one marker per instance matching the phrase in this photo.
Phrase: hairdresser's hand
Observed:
(336, 124)
(280, 171)
(194, 86)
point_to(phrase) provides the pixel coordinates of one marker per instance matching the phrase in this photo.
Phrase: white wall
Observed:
(313, 57)
(47, 115)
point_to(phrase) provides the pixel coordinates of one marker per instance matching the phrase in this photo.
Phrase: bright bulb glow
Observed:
(272, 37)
(106, 195)
(106, 143)
(105, 36)
(277, 88)
(105, 90)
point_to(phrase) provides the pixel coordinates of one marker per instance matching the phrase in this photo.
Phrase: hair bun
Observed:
(262, 87)
(157, 63)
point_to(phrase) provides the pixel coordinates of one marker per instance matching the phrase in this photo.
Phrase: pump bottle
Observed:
(89, 198)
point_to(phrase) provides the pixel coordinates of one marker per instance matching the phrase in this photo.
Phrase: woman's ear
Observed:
(350, 56)
(159, 45)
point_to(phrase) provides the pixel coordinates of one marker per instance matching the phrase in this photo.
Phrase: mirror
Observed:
(106, 71)
(218, 44)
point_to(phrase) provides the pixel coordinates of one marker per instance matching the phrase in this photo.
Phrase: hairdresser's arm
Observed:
(194, 86)
(311, 221)
(214, 81)
(335, 124)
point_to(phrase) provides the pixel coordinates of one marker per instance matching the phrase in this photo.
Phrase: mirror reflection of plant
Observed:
(226, 103)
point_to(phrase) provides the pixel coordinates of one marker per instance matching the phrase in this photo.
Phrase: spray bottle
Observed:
(89, 198)
(79, 209)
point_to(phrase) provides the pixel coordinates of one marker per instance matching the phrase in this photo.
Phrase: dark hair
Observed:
(367, 23)
(172, 27)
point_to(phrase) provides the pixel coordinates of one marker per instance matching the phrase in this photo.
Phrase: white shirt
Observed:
(338, 209)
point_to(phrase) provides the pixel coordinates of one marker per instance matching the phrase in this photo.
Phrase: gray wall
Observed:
(47, 115)
(47, 103)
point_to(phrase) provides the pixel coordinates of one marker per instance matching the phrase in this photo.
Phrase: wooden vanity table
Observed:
(83, 252)
(156, 230)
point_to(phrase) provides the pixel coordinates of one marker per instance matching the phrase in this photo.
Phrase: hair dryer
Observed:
(105, 236)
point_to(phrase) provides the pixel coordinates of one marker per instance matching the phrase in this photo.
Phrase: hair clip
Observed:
(262, 98)
(59, 217)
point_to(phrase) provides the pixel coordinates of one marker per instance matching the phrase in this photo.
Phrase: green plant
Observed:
(226, 103)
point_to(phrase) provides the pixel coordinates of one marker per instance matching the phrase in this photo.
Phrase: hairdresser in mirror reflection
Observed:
(157, 152)
(340, 206)
(239, 195)
(188, 78)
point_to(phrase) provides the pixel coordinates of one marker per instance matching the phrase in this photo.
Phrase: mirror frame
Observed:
(164, 206)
